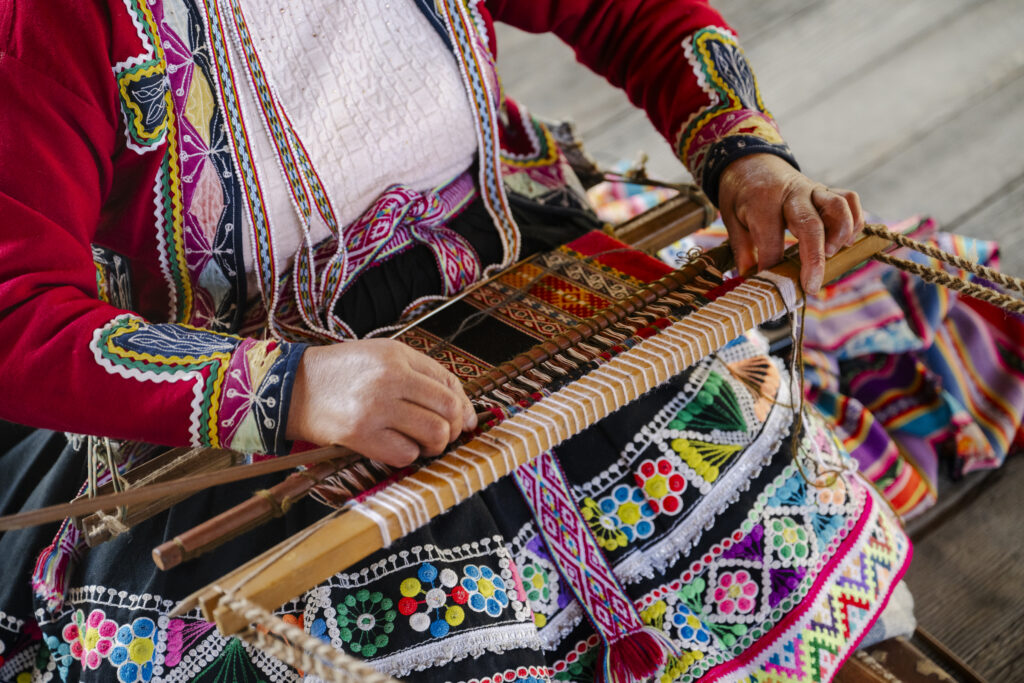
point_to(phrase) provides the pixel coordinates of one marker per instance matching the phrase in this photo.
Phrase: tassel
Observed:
(55, 564)
(635, 656)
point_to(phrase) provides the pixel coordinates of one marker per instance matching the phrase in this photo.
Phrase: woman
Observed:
(238, 183)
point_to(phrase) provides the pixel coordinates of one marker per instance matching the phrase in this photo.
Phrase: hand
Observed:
(761, 195)
(380, 398)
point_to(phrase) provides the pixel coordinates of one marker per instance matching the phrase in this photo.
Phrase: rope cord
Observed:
(990, 274)
(940, 277)
(295, 647)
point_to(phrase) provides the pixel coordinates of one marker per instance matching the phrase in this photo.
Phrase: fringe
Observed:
(55, 564)
(635, 656)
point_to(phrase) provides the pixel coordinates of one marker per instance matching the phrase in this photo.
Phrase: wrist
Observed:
(300, 396)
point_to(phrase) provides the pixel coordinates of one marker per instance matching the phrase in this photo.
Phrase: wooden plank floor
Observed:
(918, 105)
(914, 103)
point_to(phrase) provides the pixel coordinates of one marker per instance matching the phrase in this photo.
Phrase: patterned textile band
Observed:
(632, 650)
(398, 220)
(402, 217)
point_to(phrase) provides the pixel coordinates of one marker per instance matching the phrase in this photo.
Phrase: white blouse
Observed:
(374, 94)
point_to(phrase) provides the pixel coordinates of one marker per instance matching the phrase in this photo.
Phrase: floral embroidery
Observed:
(692, 631)
(830, 490)
(537, 582)
(90, 639)
(706, 459)
(61, 654)
(735, 593)
(181, 635)
(631, 510)
(434, 599)
(788, 540)
(318, 629)
(662, 483)
(604, 526)
(486, 590)
(690, 596)
(677, 666)
(133, 654)
(240, 384)
(365, 619)
(691, 634)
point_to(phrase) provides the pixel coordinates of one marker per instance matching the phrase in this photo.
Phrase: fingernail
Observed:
(471, 421)
(831, 250)
(815, 284)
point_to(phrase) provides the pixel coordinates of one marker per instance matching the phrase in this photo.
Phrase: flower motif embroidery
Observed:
(365, 619)
(434, 598)
(605, 527)
(486, 590)
(788, 540)
(735, 592)
(692, 631)
(318, 629)
(133, 651)
(831, 490)
(535, 581)
(662, 484)
(61, 654)
(631, 510)
(91, 639)
(537, 584)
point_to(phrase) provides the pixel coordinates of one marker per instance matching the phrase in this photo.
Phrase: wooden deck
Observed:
(918, 105)
(915, 103)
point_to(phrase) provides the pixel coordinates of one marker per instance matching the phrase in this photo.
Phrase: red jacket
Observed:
(123, 187)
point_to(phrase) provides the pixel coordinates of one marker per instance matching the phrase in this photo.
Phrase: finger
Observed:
(740, 241)
(468, 409)
(437, 398)
(836, 216)
(390, 447)
(434, 370)
(853, 202)
(803, 221)
(768, 231)
(428, 429)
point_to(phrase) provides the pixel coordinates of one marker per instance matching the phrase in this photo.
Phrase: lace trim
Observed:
(495, 639)
(646, 562)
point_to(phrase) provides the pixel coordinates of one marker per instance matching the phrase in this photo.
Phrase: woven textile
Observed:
(913, 377)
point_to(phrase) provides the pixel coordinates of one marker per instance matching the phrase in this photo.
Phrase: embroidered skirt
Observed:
(733, 540)
(752, 552)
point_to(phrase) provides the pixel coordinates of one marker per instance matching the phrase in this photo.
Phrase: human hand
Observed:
(761, 195)
(378, 397)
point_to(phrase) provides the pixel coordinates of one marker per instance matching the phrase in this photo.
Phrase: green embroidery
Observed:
(366, 619)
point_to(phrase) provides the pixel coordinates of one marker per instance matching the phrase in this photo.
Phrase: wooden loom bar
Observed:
(168, 466)
(269, 504)
(297, 565)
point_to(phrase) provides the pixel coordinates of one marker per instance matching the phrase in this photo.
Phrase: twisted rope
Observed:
(298, 649)
(940, 277)
(990, 274)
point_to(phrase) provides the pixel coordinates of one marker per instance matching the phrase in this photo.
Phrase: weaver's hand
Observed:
(761, 195)
(379, 398)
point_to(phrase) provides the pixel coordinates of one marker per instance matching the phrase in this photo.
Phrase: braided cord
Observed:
(940, 277)
(298, 649)
(990, 274)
